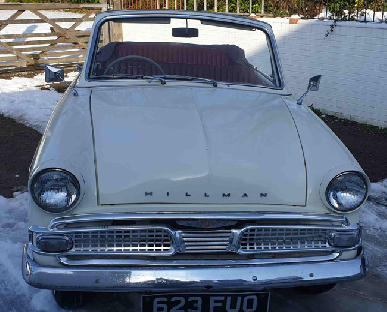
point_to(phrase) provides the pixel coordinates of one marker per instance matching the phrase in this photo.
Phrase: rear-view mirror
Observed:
(185, 32)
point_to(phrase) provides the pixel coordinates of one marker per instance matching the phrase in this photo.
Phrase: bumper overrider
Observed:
(81, 268)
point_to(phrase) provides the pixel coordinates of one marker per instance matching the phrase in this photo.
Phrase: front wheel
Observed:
(69, 299)
(315, 290)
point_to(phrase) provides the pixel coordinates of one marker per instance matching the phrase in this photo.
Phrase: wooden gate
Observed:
(21, 46)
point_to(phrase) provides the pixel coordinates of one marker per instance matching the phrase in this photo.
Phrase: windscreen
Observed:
(185, 49)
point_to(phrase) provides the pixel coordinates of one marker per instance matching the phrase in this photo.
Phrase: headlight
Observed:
(347, 191)
(55, 190)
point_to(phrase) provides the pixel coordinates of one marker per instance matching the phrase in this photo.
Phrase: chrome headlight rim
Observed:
(360, 175)
(39, 173)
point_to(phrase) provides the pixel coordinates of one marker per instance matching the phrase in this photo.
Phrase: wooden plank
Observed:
(37, 35)
(13, 64)
(34, 42)
(8, 58)
(42, 49)
(39, 21)
(86, 17)
(19, 54)
(62, 60)
(49, 6)
(57, 28)
(61, 53)
(45, 48)
(54, 45)
(12, 17)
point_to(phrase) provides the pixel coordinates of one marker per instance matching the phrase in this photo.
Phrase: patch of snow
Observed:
(23, 100)
(373, 218)
(13, 236)
(325, 13)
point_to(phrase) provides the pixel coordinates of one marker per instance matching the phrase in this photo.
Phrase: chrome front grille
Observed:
(255, 239)
(206, 241)
(123, 241)
(164, 236)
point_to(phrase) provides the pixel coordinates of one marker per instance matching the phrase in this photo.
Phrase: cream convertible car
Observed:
(178, 162)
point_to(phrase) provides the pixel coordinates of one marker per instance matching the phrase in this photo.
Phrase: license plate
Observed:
(225, 302)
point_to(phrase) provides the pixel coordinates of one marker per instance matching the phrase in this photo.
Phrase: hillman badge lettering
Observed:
(187, 194)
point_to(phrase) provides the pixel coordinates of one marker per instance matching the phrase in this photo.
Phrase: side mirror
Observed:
(53, 74)
(314, 84)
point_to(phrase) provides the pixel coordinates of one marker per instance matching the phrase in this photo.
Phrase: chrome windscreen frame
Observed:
(218, 17)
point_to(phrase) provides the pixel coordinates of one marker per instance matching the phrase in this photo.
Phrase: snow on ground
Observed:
(13, 236)
(23, 100)
(374, 220)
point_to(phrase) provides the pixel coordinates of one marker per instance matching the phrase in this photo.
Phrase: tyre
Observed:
(315, 290)
(69, 299)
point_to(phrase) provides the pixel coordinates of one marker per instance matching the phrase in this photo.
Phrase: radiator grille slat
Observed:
(206, 241)
(263, 239)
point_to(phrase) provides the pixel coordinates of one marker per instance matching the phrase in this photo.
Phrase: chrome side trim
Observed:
(196, 278)
(239, 216)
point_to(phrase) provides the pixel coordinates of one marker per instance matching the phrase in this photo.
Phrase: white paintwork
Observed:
(258, 140)
(188, 142)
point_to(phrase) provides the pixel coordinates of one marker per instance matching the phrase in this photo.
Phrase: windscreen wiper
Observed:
(127, 76)
(118, 76)
(190, 78)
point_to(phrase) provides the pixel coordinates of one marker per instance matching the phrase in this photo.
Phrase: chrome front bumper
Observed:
(193, 278)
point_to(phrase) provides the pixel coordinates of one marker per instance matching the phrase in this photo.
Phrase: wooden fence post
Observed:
(117, 5)
(195, 5)
(215, 5)
(226, 6)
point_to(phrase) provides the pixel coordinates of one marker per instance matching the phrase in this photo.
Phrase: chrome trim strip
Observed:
(198, 278)
(239, 216)
(184, 263)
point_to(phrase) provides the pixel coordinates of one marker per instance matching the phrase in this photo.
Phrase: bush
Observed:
(50, 1)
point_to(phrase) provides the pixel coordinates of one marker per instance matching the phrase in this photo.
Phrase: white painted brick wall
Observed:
(352, 61)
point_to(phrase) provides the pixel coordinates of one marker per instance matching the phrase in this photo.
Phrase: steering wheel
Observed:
(129, 57)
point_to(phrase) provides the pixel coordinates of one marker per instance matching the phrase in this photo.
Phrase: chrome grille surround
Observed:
(294, 236)
(123, 240)
(281, 238)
